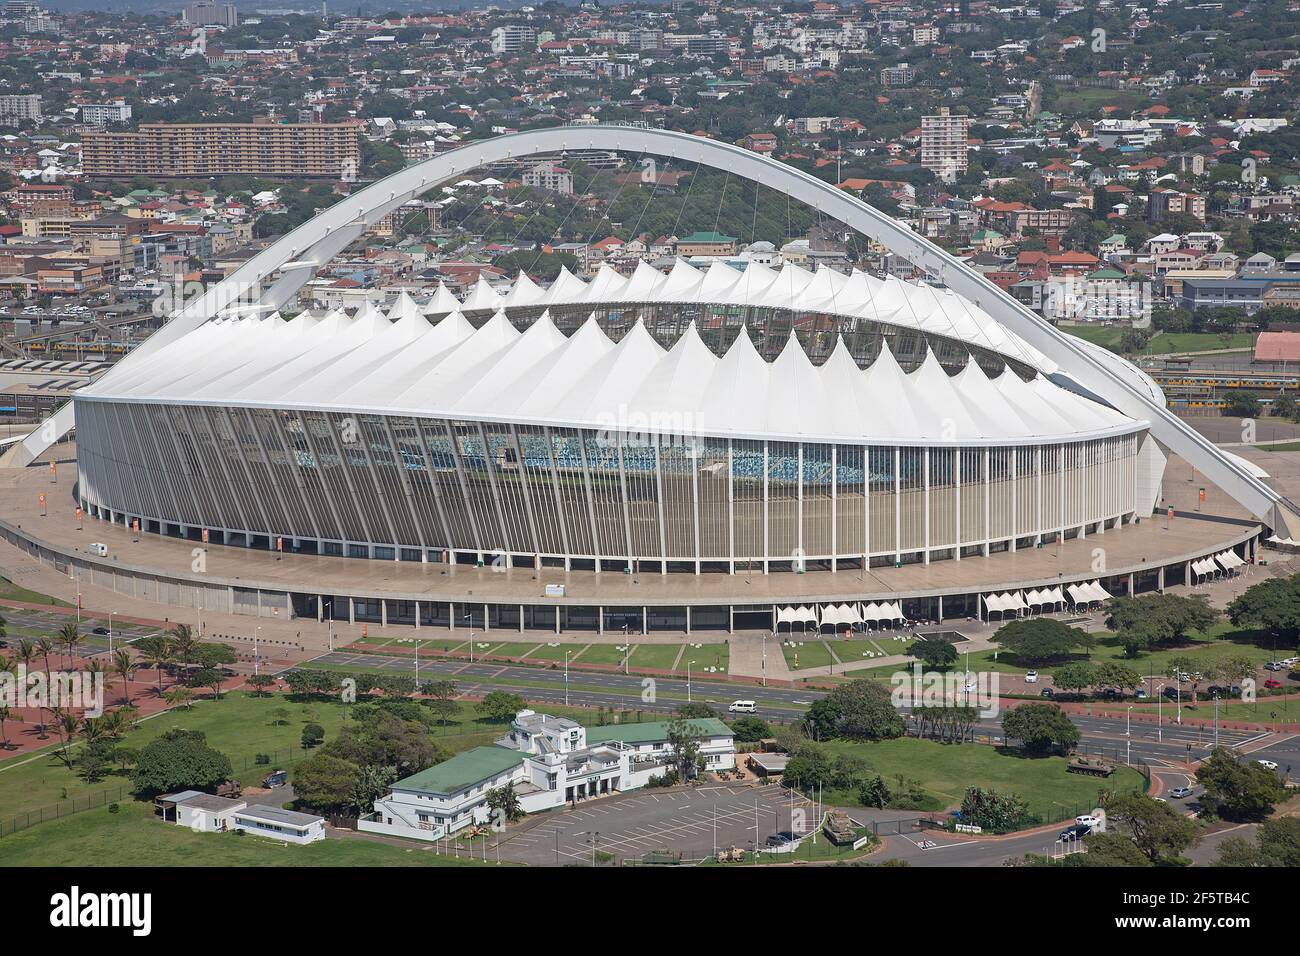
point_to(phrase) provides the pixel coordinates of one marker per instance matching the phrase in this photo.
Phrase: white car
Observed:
(1267, 764)
(1088, 820)
(1031, 677)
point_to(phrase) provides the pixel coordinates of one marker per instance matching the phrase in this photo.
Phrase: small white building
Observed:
(550, 761)
(205, 813)
(279, 824)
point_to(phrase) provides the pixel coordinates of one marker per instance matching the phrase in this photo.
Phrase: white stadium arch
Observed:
(274, 276)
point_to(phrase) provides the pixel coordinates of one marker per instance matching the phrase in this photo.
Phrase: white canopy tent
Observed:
(795, 615)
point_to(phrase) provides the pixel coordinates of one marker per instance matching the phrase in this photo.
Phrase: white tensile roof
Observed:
(855, 296)
(400, 363)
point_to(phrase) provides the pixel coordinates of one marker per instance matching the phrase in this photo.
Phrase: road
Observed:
(1107, 735)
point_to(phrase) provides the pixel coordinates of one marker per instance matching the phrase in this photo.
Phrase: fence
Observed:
(79, 803)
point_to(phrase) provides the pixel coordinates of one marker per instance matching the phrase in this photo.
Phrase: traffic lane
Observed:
(1101, 734)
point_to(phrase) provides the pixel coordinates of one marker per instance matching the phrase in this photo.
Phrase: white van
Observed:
(741, 707)
(99, 548)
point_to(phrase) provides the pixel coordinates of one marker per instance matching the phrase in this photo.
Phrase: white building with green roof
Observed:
(550, 761)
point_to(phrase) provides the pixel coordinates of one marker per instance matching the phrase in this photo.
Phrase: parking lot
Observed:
(629, 826)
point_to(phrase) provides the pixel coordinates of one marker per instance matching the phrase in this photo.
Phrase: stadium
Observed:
(421, 437)
(735, 445)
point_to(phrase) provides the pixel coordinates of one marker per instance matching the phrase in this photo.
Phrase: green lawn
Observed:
(515, 649)
(704, 657)
(14, 592)
(655, 656)
(602, 654)
(239, 725)
(945, 770)
(806, 654)
(1282, 446)
(134, 836)
(1218, 642)
(1108, 336)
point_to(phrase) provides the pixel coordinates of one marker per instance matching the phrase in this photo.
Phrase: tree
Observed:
(504, 804)
(695, 710)
(1237, 791)
(750, 729)
(326, 782)
(1076, 676)
(1037, 639)
(936, 653)
(70, 637)
(209, 677)
(123, 666)
(1154, 619)
(156, 652)
(313, 735)
(1242, 403)
(179, 760)
(259, 683)
(500, 706)
(856, 710)
(371, 784)
(1277, 843)
(1158, 829)
(1110, 849)
(684, 747)
(1040, 727)
(1273, 605)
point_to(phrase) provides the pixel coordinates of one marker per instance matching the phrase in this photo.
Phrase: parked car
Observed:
(1171, 693)
(99, 630)
(1088, 819)
(1076, 832)
(1267, 764)
(1180, 793)
(1031, 677)
(1273, 666)
(1046, 692)
(783, 838)
(1140, 693)
(1272, 684)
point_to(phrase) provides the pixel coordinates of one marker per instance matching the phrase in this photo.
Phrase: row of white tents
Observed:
(1219, 563)
(840, 615)
(1008, 602)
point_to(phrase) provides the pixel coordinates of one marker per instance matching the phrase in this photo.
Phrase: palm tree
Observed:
(44, 645)
(26, 654)
(155, 651)
(67, 724)
(183, 643)
(71, 638)
(178, 696)
(123, 666)
(5, 714)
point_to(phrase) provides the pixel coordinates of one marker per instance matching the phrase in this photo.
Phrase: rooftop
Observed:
(463, 770)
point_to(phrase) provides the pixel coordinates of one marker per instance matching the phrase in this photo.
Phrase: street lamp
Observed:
(110, 632)
(566, 677)
(688, 681)
(257, 650)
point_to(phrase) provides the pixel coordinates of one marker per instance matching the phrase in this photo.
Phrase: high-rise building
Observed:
(208, 13)
(943, 144)
(105, 114)
(513, 38)
(325, 150)
(20, 107)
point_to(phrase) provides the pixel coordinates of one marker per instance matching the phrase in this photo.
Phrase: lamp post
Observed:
(566, 678)
(110, 632)
(257, 650)
(688, 681)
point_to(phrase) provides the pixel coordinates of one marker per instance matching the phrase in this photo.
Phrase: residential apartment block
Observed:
(20, 107)
(325, 150)
(943, 143)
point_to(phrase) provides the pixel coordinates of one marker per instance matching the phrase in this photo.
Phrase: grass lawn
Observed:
(602, 654)
(1287, 711)
(516, 649)
(806, 654)
(1161, 343)
(239, 725)
(1218, 642)
(704, 657)
(656, 656)
(1282, 446)
(945, 770)
(14, 592)
(135, 837)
